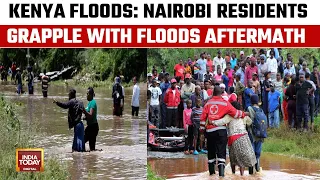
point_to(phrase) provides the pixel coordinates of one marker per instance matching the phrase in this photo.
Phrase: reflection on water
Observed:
(123, 140)
(177, 165)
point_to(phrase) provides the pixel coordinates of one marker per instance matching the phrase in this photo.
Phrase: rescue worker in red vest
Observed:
(215, 109)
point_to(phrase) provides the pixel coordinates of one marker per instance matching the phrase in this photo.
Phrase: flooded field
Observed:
(180, 166)
(122, 140)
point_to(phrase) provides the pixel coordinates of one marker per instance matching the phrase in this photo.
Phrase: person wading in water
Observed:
(45, 84)
(75, 109)
(90, 112)
(118, 99)
(217, 138)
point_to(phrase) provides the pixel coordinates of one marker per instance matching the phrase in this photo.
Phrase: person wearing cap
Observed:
(304, 68)
(92, 129)
(274, 106)
(214, 110)
(248, 92)
(187, 89)
(224, 94)
(219, 61)
(242, 56)
(179, 71)
(250, 70)
(118, 97)
(233, 60)
(272, 66)
(255, 141)
(155, 103)
(135, 97)
(172, 100)
(202, 65)
(18, 79)
(265, 92)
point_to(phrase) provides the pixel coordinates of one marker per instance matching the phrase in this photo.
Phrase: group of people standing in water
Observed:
(77, 113)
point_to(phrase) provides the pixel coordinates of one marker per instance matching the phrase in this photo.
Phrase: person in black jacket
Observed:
(118, 98)
(75, 109)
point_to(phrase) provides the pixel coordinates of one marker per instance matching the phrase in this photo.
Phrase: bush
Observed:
(13, 137)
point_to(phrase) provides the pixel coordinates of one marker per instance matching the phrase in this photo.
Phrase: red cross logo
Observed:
(214, 109)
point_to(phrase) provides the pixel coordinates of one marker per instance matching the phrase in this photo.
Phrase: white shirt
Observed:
(135, 96)
(219, 61)
(272, 65)
(203, 65)
(155, 93)
(174, 92)
(205, 95)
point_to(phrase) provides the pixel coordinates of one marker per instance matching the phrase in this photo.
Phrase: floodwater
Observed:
(189, 167)
(122, 140)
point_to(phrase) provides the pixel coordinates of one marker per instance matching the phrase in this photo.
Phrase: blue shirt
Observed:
(273, 99)
(247, 93)
(239, 71)
(164, 86)
(225, 80)
(276, 53)
(233, 62)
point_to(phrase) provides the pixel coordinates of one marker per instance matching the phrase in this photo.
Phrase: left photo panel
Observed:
(73, 113)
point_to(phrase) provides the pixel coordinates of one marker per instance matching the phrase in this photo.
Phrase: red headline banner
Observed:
(155, 36)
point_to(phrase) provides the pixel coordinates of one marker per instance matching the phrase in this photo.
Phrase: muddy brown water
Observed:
(122, 140)
(190, 167)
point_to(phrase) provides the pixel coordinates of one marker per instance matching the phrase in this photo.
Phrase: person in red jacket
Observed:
(172, 100)
(215, 109)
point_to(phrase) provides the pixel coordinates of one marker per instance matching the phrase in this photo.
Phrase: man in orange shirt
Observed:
(217, 138)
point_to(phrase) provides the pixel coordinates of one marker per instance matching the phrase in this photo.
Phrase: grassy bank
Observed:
(151, 175)
(13, 137)
(294, 143)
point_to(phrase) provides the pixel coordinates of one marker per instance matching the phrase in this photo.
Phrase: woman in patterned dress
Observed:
(240, 149)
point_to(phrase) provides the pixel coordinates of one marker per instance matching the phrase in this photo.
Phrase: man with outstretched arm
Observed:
(215, 109)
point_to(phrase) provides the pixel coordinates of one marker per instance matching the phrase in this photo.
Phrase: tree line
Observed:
(104, 63)
(168, 58)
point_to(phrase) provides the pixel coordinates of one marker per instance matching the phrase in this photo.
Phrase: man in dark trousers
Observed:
(75, 109)
(303, 90)
(217, 138)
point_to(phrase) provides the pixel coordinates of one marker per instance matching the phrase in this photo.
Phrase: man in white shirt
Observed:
(202, 65)
(135, 97)
(272, 66)
(155, 103)
(218, 60)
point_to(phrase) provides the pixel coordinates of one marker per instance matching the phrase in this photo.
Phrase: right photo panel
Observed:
(234, 113)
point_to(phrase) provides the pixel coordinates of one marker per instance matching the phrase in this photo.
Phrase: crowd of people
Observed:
(264, 85)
